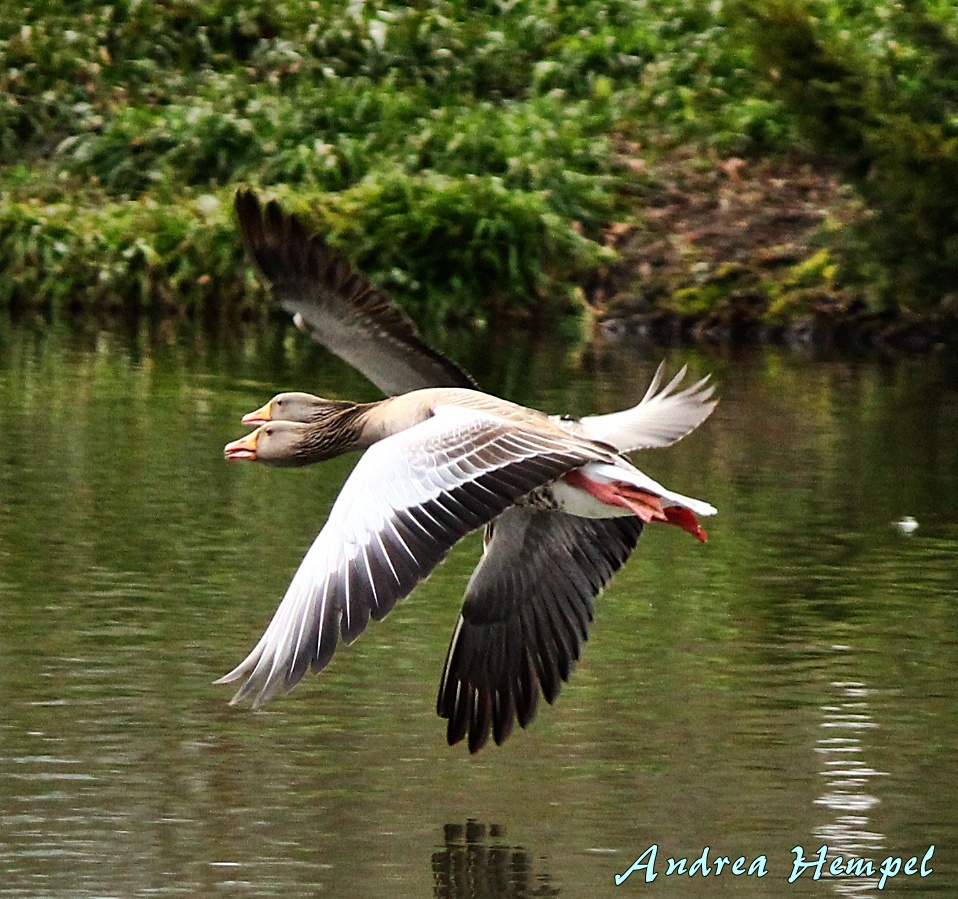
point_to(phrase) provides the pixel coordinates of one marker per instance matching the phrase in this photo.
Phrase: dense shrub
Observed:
(467, 152)
(875, 88)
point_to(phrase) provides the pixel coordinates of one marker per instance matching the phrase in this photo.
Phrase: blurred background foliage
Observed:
(473, 156)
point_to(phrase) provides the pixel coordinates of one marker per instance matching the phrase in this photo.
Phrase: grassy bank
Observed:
(476, 158)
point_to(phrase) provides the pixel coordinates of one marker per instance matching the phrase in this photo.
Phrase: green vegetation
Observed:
(473, 156)
(875, 87)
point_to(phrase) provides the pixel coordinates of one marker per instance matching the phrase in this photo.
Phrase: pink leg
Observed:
(645, 505)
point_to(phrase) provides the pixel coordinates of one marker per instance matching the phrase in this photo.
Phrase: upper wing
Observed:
(409, 499)
(338, 306)
(660, 419)
(526, 614)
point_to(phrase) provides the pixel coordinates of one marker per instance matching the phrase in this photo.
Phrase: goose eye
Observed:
(268, 432)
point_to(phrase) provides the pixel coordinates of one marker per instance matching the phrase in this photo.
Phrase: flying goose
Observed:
(563, 508)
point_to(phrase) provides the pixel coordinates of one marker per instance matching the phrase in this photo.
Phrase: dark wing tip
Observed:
(278, 242)
(300, 264)
(519, 638)
(490, 682)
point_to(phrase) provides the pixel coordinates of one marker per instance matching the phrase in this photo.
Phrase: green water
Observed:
(794, 682)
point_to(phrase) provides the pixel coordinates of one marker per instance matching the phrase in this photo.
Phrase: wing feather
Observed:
(337, 305)
(526, 615)
(660, 419)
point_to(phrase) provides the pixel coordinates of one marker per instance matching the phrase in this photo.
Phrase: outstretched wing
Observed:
(409, 499)
(338, 306)
(660, 419)
(526, 614)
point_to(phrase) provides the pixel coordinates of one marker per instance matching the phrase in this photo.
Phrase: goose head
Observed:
(290, 444)
(292, 406)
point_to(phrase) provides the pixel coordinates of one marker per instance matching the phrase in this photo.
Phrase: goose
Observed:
(562, 506)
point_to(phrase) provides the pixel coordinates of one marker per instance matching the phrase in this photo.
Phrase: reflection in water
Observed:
(848, 780)
(473, 864)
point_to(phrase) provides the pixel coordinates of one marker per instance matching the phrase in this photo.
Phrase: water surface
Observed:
(790, 683)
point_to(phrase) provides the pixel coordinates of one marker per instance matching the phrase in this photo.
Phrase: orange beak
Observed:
(260, 416)
(244, 448)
